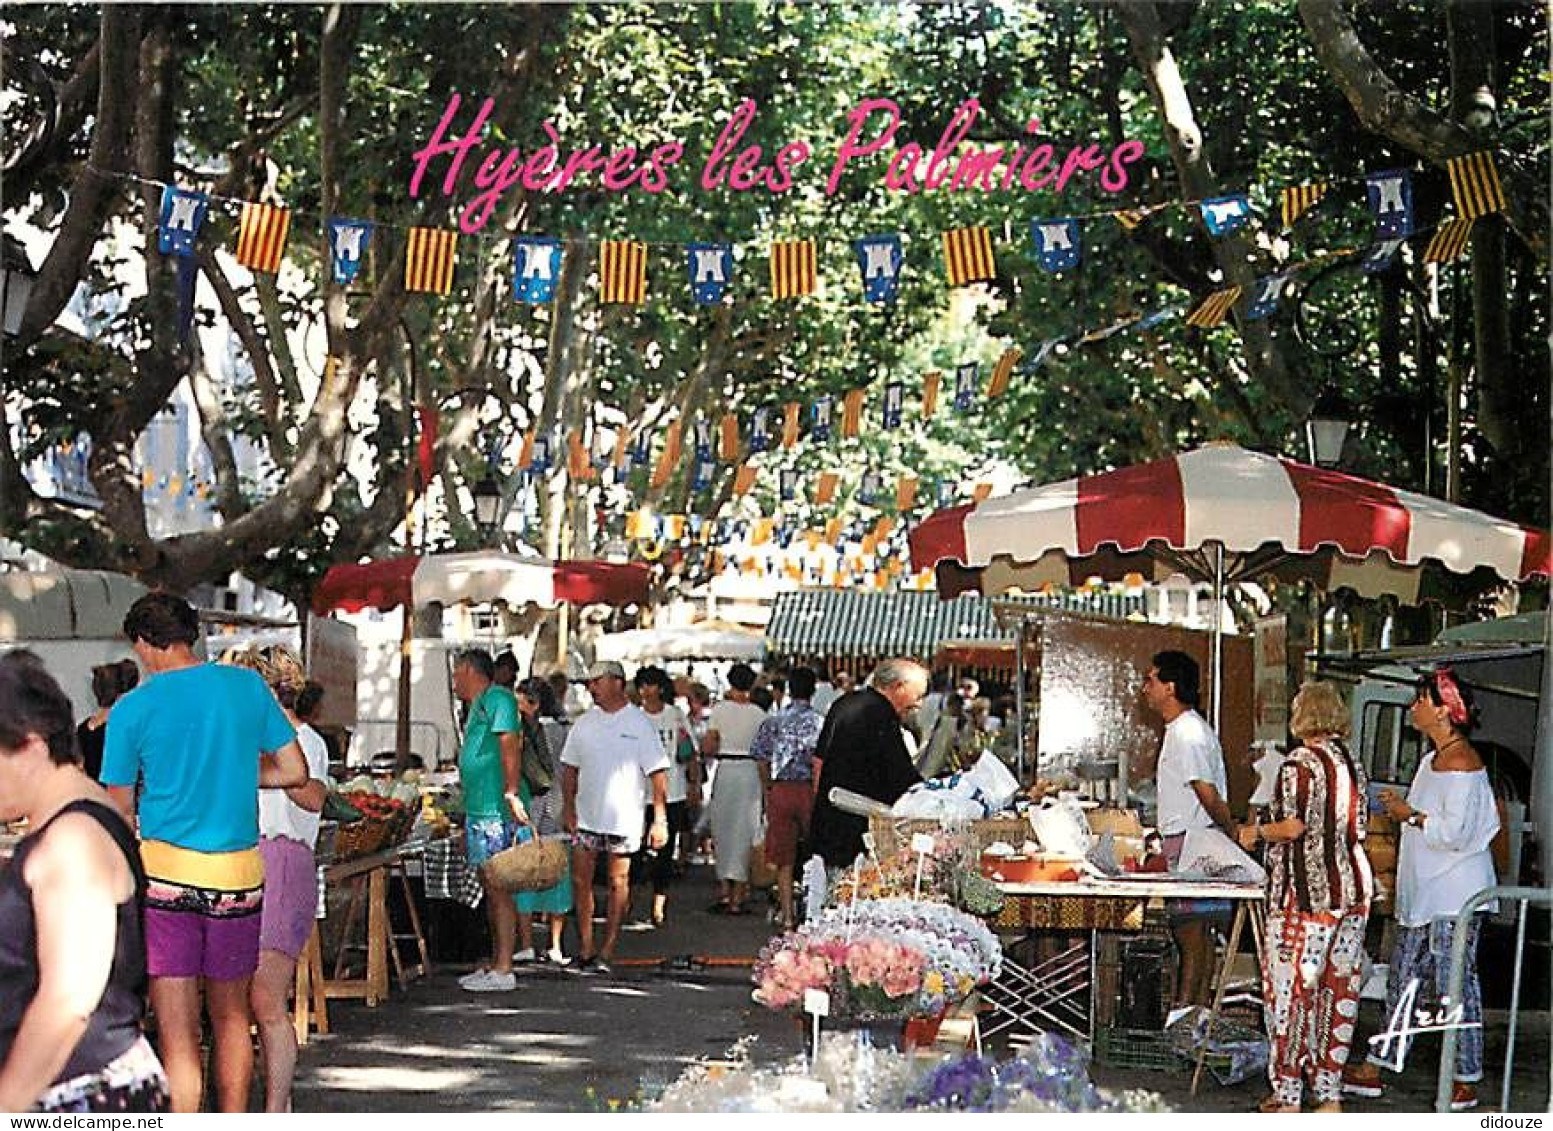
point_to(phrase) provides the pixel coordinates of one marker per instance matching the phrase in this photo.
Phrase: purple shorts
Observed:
(290, 895)
(200, 933)
(608, 843)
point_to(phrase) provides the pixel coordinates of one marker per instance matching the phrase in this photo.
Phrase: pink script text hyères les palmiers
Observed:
(871, 126)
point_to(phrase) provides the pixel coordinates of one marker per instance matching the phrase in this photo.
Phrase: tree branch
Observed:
(1385, 109)
(215, 431)
(271, 407)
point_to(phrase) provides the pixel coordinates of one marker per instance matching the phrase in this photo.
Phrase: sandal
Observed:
(1272, 1105)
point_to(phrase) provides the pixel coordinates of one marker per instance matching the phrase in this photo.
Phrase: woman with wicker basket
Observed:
(554, 902)
(1318, 901)
(288, 832)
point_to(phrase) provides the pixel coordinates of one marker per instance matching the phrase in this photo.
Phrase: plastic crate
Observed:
(1135, 1049)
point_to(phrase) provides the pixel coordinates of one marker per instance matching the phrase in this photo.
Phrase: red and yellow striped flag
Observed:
(930, 384)
(639, 524)
(906, 493)
(1214, 309)
(1475, 185)
(852, 413)
(833, 531)
(623, 272)
(669, 457)
(1130, 218)
(1448, 241)
(428, 260)
(743, 479)
(1296, 200)
(968, 255)
(728, 441)
(674, 527)
(526, 451)
(761, 531)
(883, 528)
(869, 544)
(793, 270)
(790, 424)
(261, 236)
(825, 490)
(1002, 371)
(579, 466)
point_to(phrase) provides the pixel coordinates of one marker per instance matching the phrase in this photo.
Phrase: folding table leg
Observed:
(1218, 989)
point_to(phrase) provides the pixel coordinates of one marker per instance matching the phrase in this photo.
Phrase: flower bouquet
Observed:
(880, 958)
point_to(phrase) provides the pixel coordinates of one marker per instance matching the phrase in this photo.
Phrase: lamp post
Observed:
(487, 494)
(1327, 429)
(16, 279)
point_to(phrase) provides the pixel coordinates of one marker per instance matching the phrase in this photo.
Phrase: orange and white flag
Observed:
(1214, 309)
(1002, 371)
(669, 458)
(743, 479)
(261, 236)
(825, 490)
(790, 424)
(428, 260)
(623, 272)
(906, 492)
(728, 441)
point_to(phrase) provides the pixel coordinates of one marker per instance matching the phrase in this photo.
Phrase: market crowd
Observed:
(169, 852)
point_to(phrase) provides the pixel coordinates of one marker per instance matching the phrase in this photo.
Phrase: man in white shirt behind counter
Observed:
(1191, 790)
(612, 756)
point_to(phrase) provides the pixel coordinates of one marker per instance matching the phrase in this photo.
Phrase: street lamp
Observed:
(487, 495)
(1327, 429)
(16, 279)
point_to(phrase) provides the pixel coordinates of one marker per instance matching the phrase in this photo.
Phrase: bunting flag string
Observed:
(1449, 241)
(1475, 188)
(1214, 309)
(1300, 199)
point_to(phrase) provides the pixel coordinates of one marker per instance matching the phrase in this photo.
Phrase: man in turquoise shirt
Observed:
(490, 767)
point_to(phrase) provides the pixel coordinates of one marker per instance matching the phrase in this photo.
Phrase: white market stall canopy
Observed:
(710, 640)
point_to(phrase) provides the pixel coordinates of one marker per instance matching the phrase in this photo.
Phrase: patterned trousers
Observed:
(1310, 993)
(1421, 959)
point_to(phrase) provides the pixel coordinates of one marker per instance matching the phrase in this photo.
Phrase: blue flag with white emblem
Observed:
(536, 264)
(182, 214)
(1226, 214)
(894, 400)
(965, 387)
(701, 477)
(819, 419)
(1379, 256)
(1267, 295)
(541, 457)
(1056, 243)
(702, 431)
(1391, 200)
(1163, 314)
(711, 270)
(760, 430)
(871, 488)
(946, 492)
(880, 259)
(788, 483)
(348, 240)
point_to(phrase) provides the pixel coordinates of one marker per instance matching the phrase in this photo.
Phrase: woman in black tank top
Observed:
(72, 949)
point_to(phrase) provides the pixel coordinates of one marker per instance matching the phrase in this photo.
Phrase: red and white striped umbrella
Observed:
(1270, 515)
(478, 577)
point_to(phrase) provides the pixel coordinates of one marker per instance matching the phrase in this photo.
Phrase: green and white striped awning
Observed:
(851, 622)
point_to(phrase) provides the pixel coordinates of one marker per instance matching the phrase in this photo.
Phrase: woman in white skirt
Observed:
(735, 806)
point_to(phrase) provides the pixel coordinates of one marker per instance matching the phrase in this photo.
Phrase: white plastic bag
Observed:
(997, 784)
(1209, 852)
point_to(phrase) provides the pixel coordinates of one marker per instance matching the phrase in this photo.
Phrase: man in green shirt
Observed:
(490, 766)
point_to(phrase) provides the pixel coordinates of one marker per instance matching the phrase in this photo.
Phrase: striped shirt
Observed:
(1325, 869)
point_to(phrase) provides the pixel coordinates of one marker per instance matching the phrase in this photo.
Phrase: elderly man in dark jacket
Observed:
(861, 748)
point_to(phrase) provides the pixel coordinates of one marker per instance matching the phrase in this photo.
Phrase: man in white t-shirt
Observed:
(1191, 790)
(611, 759)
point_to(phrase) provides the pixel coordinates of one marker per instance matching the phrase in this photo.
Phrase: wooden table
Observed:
(368, 877)
(1057, 992)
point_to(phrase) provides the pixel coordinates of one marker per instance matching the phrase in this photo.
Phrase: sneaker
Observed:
(472, 976)
(603, 970)
(585, 965)
(491, 982)
(1363, 1080)
(525, 955)
(556, 958)
(1464, 1096)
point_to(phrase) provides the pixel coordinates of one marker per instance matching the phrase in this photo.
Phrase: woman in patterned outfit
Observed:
(1319, 889)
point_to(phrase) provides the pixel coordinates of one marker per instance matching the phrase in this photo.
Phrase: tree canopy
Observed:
(323, 109)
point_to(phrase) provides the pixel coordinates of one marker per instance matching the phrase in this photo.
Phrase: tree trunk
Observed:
(1267, 355)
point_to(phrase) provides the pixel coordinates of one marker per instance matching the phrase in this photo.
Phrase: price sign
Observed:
(921, 842)
(816, 1002)
(868, 841)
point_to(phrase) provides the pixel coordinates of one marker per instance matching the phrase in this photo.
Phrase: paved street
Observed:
(543, 1046)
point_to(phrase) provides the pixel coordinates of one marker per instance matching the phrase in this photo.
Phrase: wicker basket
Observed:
(531, 866)
(362, 838)
(892, 836)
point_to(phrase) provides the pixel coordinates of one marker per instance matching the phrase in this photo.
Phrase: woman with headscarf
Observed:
(1448, 821)
(1318, 901)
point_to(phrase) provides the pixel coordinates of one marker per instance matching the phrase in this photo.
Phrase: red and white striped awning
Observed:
(478, 578)
(1270, 515)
